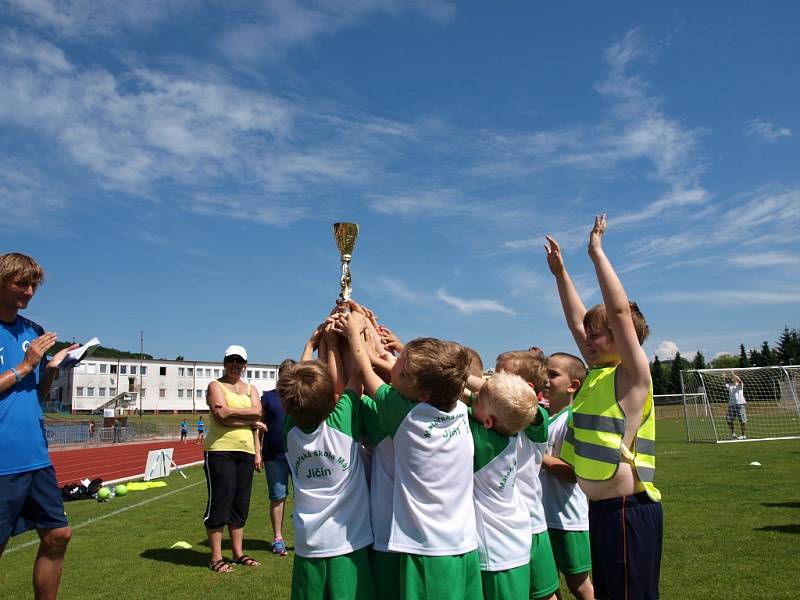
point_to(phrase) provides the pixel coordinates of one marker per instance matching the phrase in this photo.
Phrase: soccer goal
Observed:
(761, 403)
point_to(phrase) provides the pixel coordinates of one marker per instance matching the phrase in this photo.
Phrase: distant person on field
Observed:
(230, 458)
(30, 497)
(611, 439)
(201, 430)
(565, 506)
(117, 428)
(276, 466)
(184, 430)
(737, 406)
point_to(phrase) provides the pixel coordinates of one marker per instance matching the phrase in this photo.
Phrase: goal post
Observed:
(761, 403)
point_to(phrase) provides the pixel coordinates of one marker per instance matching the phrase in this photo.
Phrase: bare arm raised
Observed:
(574, 310)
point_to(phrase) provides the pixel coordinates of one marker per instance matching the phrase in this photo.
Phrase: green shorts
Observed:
(438, 577)
(544, 575)
(571, 550)
(502, 585)
(386, 573)
(344, 577)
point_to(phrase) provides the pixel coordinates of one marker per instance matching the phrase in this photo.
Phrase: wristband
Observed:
(16, 375)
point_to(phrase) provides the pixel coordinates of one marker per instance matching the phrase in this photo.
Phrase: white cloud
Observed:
(766, 130)
(666, 350)
(29, 198)
(766, 259)
(522, 281)
(471, 306)
(727, 297)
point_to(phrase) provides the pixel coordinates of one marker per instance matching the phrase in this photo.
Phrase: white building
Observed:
(129, 384)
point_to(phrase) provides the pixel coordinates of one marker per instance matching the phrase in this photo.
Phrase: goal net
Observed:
(726, 405)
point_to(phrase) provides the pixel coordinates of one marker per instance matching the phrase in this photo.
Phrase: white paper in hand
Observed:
(75, 356)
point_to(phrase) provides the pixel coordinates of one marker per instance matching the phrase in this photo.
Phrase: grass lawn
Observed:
(731, 532)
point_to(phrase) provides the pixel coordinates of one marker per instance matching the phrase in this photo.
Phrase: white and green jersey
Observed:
(501, 517)
(433, 513)
(331, 497)
(381, 485)
(565, 504)
(530, 449)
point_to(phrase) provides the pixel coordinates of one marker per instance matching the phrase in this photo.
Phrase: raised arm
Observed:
(354, 325)
(618, 309)
(574, 310)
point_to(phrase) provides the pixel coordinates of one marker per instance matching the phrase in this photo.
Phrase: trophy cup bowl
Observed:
(345, 235)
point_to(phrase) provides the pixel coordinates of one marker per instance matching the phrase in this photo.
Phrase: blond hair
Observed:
(437, 368)
(306, 392)
(596, 319)
(510, 400)
(528, 365)
(21, 267)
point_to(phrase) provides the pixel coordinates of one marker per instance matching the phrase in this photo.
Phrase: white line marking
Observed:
(106, 516)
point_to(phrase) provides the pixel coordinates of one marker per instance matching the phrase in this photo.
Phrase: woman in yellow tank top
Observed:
(230, 458)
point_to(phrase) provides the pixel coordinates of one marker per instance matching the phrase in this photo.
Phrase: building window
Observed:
(79, 391)
(271, 374)
(133, 370)
(257, 373)
(180, 393)
(103, 368)
(162, 371)
(89, 392)
(113, 369)
(208, 372)
(112, 392)
(249, 373)
(189, 393)
(101, 392)
(199, 393)
(162, 392)
(190, 371)
(123, 369)
(181, 372)
(143, 392)
(217, 372)
(144, 371)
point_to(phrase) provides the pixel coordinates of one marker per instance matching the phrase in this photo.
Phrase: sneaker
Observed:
(743, 437)
(279, 548)
(734, 436)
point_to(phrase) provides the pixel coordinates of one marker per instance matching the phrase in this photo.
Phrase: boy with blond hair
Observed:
(331, 514)
(504, 406)
(611, 440)
(433, 519)
(565, 505)
(530, 450)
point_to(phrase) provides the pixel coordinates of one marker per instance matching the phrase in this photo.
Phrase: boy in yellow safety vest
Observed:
(611, 438)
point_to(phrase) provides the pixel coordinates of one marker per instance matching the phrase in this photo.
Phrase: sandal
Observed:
(220, 566)
(247, 561)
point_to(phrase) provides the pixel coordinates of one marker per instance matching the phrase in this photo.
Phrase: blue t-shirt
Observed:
(272, 447)
(184, 427)
(23, 446)
(201, 426)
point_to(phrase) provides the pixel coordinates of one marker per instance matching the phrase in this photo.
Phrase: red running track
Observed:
(117, 461)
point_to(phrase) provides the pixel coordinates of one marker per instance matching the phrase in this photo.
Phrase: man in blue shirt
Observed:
(275, 465)
(29, 494)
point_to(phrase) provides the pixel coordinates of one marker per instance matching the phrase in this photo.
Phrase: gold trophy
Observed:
(345, 235)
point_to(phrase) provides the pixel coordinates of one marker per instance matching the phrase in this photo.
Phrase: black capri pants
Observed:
(229, 477)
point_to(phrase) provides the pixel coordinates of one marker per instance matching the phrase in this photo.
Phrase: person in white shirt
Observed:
(737, 405)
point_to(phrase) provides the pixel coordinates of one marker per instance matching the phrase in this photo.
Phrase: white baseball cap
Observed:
(235, 350)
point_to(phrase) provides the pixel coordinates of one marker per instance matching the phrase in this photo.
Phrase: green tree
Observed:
(657, 375)
(787, 350)
(725, 361)
(754, 358)
(179, 357)
(767, 356)
(743, 360)
(678, 364)
(699, 361)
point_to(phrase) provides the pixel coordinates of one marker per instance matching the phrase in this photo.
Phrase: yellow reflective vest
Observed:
(593, 444)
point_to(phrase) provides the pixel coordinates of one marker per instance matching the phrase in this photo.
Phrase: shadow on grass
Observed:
(781, 528)
(795, 504)
(249, 545)
(178, 556)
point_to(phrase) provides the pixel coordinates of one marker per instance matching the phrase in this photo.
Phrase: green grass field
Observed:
(731, 531)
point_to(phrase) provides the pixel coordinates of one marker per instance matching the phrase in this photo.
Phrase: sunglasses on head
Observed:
(235, 359)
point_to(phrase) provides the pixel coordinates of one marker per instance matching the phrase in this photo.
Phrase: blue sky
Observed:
(176, 167)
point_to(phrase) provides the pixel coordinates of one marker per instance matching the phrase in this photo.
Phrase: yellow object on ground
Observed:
(137, 486)
(183, 545)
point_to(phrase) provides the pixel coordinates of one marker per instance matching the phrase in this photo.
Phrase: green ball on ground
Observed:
(103, 493)
(122, 489)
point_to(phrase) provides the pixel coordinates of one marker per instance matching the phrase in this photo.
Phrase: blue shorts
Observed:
(625, 536)
(277, 478)
(30, 500)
